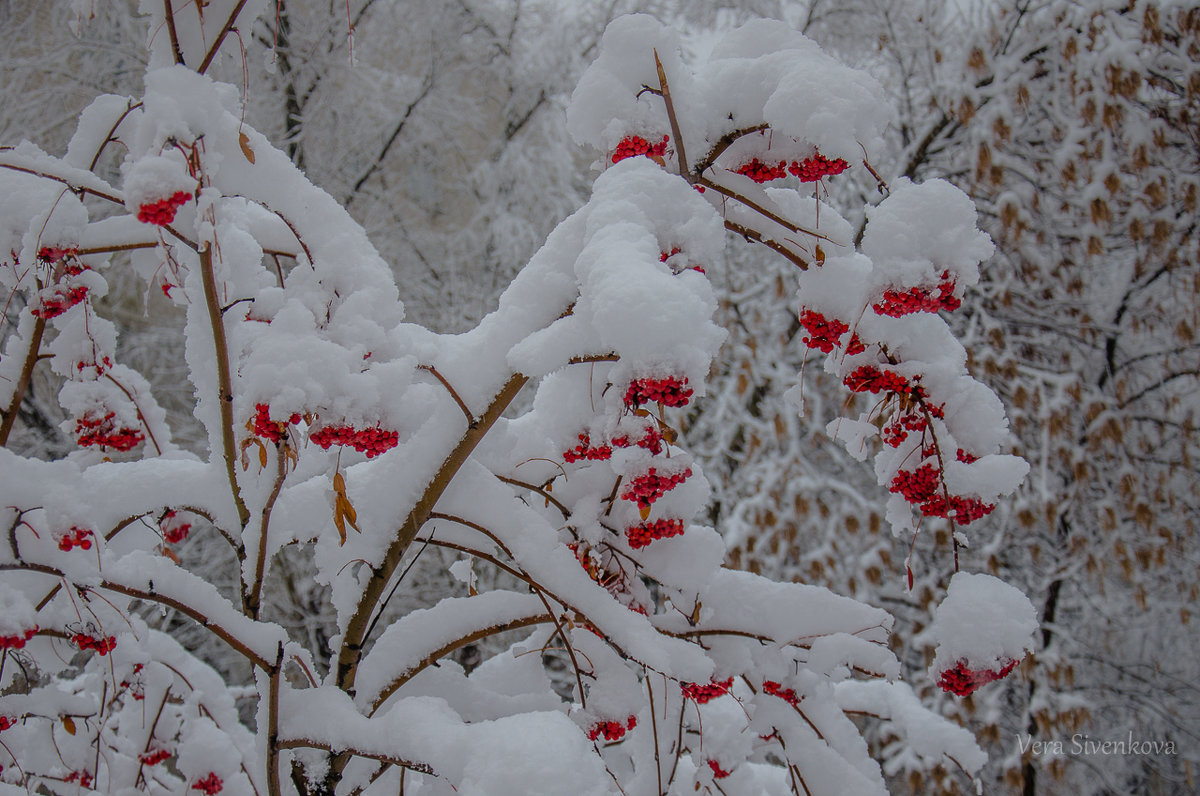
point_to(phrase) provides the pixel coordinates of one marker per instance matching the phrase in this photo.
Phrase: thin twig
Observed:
(170, 18)
(680, 156)
(229, 23)
(450, 389)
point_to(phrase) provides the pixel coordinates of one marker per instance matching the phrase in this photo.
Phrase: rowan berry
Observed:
(643, 534)
(270, 429)
(371, 441)
(105, 432)
(718, 772)
(76, 537)
(633, 146)
(174, 528)
(963, 681)
(650, 486)
(101, 645)
(586, 451)
(154, 757)
(786, 694)
(701, 693)
(668, 391)
(162, 212)
(816, 167)
(762, 172)
(209, 785)
(17, 640)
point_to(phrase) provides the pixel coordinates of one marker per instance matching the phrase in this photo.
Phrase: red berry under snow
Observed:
(718, 772)
(611, 730)
(633, 146)
(650, 486)
(270, 429)
(162, 212)
(209, 785)
(963, 681)
(17, 640)
(174, 528)
(101, 645)
(371, 441)
(154, 757)
(816, 167)
(586, 451)
(895, 303)
(825, 334)
(702, 693)
(668, 391)
(53, 301)
(76, 537)
(641, 535)
(786, 694)
(762, 172)
(106, 432)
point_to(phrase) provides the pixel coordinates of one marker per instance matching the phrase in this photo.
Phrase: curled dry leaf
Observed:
(244, 143)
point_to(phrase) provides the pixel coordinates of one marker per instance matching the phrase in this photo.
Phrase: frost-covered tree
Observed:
(338, 432)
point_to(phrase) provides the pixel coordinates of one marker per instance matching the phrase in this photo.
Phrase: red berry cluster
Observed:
(706, 692)
(584, 450)
(787, 694)
(762, 172)
(174, 528)
(664, 256)
(919, 299)
(56, 299)
(611, 730)
(826, 333)
(816, 167)
(650, 486)
(101, 645)
(104, 431)
(76, 537)
(897, 430)
(641, 535)
(270, 429)
(966, 458)
(17, 640)
(920, 487)
(868, 378)
(668, 391)
(652, 441)
(101, 365)
(633, 145)
(162, 212)
(917, 486)
(371, 441)
(82, 777)
(136, 689)
(6, 722)
(966, 509)
(154, 757)
(210, 785)
(52, 254)
(718, 772)
(963, 681)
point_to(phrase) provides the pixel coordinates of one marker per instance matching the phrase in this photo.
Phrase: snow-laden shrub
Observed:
(335, 427)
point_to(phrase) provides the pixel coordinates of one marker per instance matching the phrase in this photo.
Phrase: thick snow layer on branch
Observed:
(929, 737)
(533, 753)
(983, 621)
